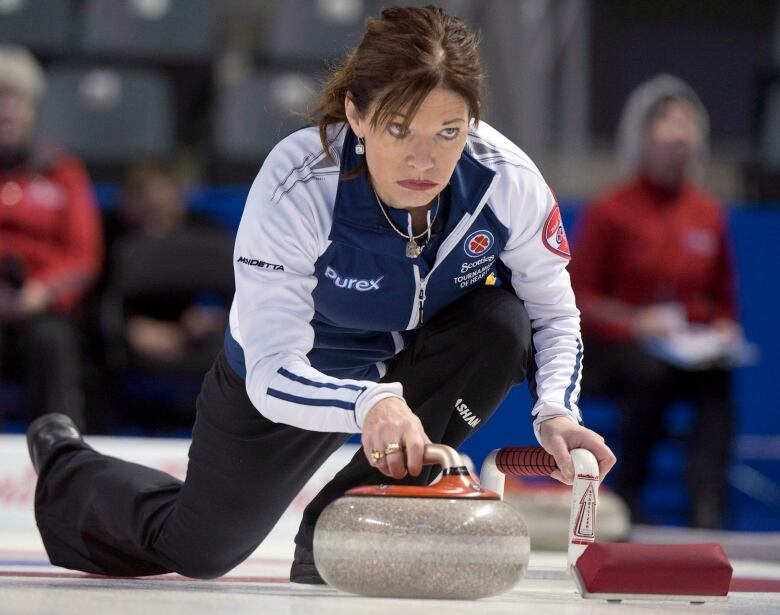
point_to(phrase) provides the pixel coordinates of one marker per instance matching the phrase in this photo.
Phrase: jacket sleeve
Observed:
(537, 254)
(279, 240)
(80, 239)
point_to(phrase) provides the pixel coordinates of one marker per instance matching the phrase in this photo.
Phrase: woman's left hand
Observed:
(559, 435)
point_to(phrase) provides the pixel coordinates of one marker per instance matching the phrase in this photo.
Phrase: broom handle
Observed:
(525, 461)
(535, 461)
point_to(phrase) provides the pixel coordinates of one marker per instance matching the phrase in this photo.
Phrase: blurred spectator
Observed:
(178, 329)
(50, 247)
(653, 263)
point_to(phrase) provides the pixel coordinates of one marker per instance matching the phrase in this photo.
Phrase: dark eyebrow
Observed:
(458, 119)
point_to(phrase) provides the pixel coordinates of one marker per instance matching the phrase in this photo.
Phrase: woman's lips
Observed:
(413, 184)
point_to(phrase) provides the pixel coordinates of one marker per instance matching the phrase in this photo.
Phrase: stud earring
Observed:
(360, 148)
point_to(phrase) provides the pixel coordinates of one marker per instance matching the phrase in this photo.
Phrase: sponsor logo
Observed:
(465, 267)
(352, 283)
(554, 236)
(466, 414)
(474, 272)
(253, 262)
(478, 243)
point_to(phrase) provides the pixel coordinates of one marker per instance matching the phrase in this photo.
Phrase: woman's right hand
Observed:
(391, 421)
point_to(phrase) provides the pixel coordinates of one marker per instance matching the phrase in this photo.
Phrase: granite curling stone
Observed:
(449, 540)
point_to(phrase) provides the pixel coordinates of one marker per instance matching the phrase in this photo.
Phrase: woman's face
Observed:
(17, 115)
(154, 206)
(409, 168)
(670, 142)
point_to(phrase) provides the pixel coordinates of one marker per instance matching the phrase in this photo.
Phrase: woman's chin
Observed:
(412, 201)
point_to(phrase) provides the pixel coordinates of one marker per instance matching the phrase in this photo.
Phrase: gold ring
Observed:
(377, 455)
(391, 448)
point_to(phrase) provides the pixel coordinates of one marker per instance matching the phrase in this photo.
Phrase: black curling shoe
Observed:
(48, 433)
(303, 569)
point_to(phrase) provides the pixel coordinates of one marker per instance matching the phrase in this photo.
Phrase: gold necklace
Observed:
(413, 249)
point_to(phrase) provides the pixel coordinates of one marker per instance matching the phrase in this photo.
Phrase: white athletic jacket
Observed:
(326, 296)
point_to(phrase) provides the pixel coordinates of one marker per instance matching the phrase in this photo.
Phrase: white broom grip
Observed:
(584, 497)
(491, 478)
(584, 500)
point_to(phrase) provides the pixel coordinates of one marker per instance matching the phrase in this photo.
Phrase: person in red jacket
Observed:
(653, 260)
(50, 246)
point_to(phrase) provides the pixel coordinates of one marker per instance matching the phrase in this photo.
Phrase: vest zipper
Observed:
(421, 302)
(444, 250)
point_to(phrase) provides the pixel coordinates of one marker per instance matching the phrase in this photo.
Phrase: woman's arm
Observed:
(278, 243)
(536, 254)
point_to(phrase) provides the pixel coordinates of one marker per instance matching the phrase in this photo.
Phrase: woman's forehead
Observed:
(678, 107)
(440, 106)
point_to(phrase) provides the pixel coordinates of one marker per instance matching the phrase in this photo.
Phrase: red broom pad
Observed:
(676, 570)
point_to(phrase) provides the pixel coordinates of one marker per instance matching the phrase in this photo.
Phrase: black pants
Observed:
(643, 388)
(107, 516)
(44, 351)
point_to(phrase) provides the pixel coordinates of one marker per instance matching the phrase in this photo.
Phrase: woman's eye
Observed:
(450, 133)
(397, 130)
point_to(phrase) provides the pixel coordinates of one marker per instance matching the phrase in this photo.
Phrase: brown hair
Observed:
(137, 175)
(403, 55)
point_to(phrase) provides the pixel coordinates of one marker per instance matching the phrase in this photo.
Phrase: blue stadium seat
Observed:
(310, 30)
(254, 114)
(108, 115)
(43, 27)
(159, 30)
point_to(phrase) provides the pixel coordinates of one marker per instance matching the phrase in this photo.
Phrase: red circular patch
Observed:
(479, 244)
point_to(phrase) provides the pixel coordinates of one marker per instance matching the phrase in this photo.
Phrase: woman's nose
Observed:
(421, 157)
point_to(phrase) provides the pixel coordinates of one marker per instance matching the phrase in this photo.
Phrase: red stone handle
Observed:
(525, 461)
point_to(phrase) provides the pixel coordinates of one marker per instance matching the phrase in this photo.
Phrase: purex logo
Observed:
(352, 283)
(253, 262)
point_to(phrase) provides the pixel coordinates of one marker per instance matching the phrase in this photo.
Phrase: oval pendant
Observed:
(412, 249)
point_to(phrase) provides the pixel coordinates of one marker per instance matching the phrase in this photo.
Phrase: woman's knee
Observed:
(206, 567)
(502, 329)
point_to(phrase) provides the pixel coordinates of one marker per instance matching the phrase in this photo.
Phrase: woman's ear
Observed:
(354, 118)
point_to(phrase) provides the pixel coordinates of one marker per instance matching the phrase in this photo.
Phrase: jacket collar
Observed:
(356, 206)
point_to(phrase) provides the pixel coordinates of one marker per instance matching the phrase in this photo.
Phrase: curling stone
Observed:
(615, 571)
(546, 508)
(448, 540)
